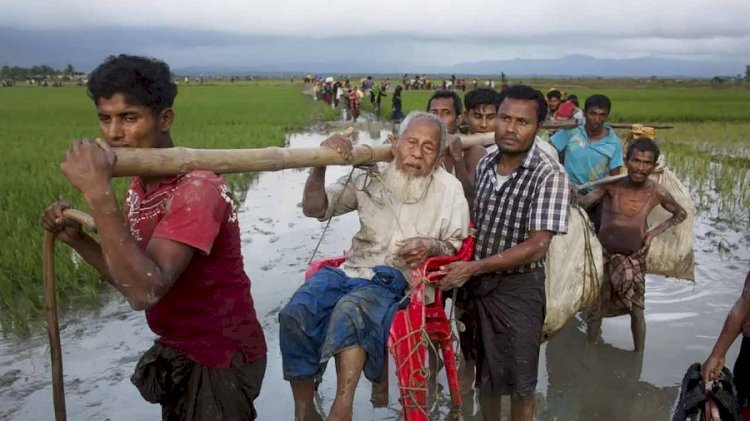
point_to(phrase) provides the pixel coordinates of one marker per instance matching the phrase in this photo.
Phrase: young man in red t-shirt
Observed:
(175, 254)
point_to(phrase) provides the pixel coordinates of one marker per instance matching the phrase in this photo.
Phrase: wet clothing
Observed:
(332, 312)
(621, 237)
(188, 390)
(208, 313)
(440, 212)
(534, 198)
(510, 310)
(586, 160)
(620, 233)
(626, 274)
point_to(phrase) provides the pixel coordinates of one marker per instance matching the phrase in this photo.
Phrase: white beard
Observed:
(405, 188)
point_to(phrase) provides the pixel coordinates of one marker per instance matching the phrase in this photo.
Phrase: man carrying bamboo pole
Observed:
(521, 203)
(175, 254)
(591, 151)
(625, 238)
(409, 210)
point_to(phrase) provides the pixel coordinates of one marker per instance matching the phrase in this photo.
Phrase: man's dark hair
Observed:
(643, 144)
(573, 99)
(554, 94)
(142, 80)
(526, 92)
(447, 94)
(480, 96)
(599, 101)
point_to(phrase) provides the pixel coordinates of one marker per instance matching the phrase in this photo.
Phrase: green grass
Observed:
(635, 104)
(39, 124)
(709, 149)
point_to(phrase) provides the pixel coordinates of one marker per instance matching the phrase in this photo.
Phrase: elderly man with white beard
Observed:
(409, 210)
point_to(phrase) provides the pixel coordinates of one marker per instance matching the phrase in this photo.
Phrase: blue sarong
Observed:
(331, 312)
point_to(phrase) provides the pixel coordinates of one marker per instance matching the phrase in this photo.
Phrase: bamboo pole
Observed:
(172, 161)
(605, 180)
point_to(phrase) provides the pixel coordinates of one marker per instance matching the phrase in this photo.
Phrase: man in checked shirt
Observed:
(521, 201)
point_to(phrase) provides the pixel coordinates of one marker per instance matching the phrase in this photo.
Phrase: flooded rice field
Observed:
(576, 381)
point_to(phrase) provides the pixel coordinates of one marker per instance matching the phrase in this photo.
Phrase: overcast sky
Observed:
(405, 32)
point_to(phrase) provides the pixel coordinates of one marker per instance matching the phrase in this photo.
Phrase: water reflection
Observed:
(599, 381)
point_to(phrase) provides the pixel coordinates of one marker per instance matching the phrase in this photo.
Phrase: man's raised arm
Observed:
(314, 198)
(142, 276)
(591, 198)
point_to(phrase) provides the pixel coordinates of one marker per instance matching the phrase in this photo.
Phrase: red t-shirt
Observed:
(208, 312)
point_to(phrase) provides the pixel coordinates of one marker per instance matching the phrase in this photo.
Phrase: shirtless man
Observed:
(625, 237)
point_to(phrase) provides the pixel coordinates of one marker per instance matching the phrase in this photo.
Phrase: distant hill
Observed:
(573, 65)
(583, 65)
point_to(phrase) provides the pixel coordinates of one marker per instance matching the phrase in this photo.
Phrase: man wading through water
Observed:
(521, 201)
(625, 237)
(175, 255)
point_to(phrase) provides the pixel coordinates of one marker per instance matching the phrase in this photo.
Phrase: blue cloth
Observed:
(585, 160)
(332, 311)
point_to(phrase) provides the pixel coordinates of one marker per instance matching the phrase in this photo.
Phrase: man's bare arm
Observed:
(91, 252)
(667, 202)
(143, 277)
(534, 248)
(593, 197)
(472, 156)
(732, 328)
(314, 198)
(71, 233)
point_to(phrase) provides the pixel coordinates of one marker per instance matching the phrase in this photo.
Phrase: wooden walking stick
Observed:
(50, 306)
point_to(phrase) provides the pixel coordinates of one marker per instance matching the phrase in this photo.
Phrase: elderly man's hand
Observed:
(341, 144)
(416, 250)
(457, 273)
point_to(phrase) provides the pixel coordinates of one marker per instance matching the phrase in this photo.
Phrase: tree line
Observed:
(38, 72)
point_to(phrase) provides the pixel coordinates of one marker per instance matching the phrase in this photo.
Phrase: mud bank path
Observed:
(576, 381)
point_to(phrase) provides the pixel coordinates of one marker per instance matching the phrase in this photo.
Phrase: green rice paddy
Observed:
(709, 149)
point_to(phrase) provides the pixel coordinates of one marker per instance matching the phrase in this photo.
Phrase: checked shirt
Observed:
(534, 198)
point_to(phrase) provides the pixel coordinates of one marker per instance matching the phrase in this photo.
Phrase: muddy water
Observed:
(576, 381)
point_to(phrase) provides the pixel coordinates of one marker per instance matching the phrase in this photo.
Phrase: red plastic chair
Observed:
(406, 338)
